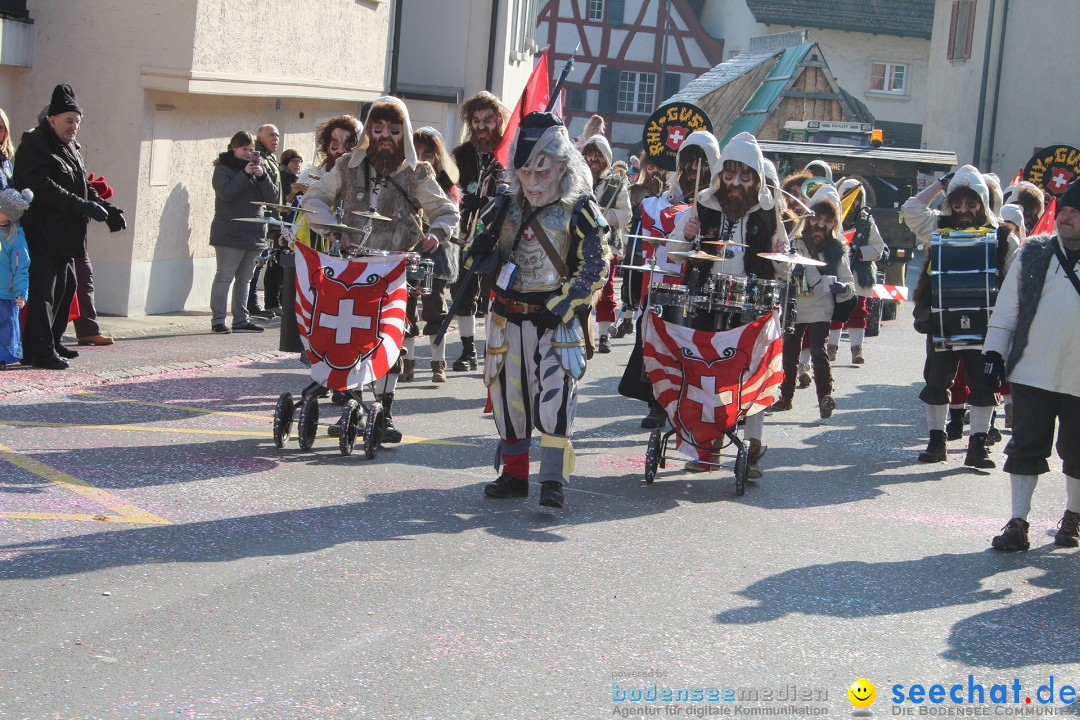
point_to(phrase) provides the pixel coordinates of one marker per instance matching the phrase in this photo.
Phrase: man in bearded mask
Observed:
(546, 250)
(384, 175)
(737, 207)
(484, 119)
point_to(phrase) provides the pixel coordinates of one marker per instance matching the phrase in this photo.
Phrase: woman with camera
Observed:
(239, 180)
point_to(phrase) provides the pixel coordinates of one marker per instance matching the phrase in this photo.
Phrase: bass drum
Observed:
(963, 286)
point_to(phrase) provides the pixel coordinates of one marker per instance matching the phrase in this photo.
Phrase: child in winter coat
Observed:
(14, 272)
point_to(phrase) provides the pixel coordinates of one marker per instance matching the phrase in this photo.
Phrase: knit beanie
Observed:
(63, 100)
(1071, 196)
(14, 203)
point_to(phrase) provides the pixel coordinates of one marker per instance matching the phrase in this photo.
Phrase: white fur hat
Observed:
(744, 148)
(968, 176)
(410, 149)
(601, 144)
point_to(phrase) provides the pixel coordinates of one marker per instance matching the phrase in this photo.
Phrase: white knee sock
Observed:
(935, 417)
(804, 357)
(438, 352)
(466, 325)
(1022, 487)
(1072, 494)
(755, 425)
(386, 384)
(604, 326)
(856, 336)
(980, 419)
(409, 345)
(834, 336)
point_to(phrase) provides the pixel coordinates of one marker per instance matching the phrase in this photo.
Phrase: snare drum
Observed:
(963, 286)
(731, 291)
(766, 295)
(669, 295)
(420, 274)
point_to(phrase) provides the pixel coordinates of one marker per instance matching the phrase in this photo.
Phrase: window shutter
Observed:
(970, 29)
(615, 11)
(951, 53)
(575, 98)
(672, 83)
(609, 90)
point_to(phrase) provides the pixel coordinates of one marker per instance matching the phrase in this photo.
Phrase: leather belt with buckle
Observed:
(513, 307)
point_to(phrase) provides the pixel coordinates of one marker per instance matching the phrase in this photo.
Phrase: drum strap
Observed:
(1067, 267)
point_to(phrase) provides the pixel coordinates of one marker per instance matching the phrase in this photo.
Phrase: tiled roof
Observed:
(722, 74)
(906, 18)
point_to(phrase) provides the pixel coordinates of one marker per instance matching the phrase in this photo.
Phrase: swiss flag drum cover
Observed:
(696, 376)
(351, 314)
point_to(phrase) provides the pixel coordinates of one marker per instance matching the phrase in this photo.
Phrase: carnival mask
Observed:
(540, 179)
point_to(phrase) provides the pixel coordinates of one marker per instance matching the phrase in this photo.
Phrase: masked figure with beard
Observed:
(611, 194)
(483, 118)
(739, 207)
(547, 253)
(817, 290)
(384, 175)
(966, 205)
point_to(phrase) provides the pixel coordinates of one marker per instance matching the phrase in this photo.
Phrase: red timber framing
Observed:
(559, 19)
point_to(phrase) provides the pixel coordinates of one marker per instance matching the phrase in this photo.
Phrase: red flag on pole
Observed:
(1018, 177)
(534, 98)
(1046, 222)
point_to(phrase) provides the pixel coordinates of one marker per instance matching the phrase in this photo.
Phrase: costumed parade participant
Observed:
(430, 149)
(1027, 341)
(866, 247)
(967, 205)
(818, 289)
(658, 214)
(611, 193)
(383, 175)
(544, 244)
(738, 207)
(480, 173)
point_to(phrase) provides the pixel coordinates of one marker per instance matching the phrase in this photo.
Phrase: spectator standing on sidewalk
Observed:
(14, 272)
(48, 162)
(267, 138)
(239, 180)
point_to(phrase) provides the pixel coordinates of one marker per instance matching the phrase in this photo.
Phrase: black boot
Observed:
(390, 433)
(656, 417)
(507, 486)
(467, 359)
(551, 494)
(935, 450)
(977, 454)
(954, 429)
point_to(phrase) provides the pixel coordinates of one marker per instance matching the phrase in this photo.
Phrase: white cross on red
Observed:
(1059, 180)
(706, 396)
(676, 136)
(344, 322)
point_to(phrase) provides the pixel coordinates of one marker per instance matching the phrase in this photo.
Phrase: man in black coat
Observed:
(48, 162)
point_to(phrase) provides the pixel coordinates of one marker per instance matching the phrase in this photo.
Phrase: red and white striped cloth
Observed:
(696, 376)
(889, 292)
(351, 314)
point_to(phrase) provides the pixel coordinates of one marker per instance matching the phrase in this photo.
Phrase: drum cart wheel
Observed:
(283, 419)
(350, 425)
(653, 455)
(307, 421)
(376, 423)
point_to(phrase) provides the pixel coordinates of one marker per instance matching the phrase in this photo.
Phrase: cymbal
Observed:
(695, 255)
(371, 215)
(276, 206)
(323, 228)
(649, 268)
(723, 243)
(267, 220)
(791, 258)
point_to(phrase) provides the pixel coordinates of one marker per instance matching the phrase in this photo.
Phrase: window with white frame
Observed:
(888, 78)
(637, 91)
(522, 29)
(596, 10)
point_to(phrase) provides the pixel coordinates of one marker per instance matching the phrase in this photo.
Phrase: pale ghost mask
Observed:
(540, 178)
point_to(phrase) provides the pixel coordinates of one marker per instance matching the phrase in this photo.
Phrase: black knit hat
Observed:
(63, 100)
(1071, 196)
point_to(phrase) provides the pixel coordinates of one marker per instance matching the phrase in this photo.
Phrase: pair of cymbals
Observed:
(648, 268)
(323, 228)
(695, 255)
(371, 215)
(265, 220)
(791, 258)
(723, 243)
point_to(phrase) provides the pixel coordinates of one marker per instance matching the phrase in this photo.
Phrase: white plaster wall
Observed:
(732, 21)
(329, 40)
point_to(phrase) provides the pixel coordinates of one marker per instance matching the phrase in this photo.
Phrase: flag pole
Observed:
(567, 68)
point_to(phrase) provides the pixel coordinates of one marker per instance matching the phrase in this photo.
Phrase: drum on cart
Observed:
(963, 286)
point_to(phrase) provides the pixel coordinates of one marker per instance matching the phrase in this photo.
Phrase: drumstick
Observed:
(697, 186)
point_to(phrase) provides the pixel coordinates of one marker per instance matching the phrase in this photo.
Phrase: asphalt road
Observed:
(159, 557)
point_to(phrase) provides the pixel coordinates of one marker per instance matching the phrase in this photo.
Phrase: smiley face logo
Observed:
(862, 693)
